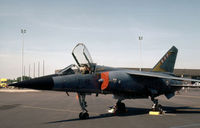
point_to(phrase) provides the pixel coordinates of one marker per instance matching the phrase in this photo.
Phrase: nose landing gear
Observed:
(84, 114)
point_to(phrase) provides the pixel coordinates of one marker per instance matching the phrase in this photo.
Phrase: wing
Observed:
(163, 76)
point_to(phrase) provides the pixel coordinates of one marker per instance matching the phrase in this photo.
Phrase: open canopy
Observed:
(82, 55)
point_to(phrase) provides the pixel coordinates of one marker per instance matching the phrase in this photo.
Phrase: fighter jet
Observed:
(88, 78)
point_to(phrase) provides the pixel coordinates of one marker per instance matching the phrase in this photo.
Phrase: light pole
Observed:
(140, 50)
(34, 70)
(43, 67)
(23, 31)
(29, 71)
(38, 69)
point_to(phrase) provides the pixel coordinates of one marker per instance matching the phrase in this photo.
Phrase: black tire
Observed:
(83, 115)
(121, 108)
(160, 108)
(86, 115)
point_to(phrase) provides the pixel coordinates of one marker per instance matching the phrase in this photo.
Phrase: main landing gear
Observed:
(118, 108)
(156, 107)
(84, 114)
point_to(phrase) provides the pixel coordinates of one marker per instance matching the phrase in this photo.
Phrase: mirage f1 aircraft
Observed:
(88, 78)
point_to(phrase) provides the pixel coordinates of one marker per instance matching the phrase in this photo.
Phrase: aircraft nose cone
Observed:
(41, 83)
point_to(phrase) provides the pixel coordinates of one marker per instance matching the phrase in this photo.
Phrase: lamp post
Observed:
(29, 71)
(23, 31)
(38, 69)
(140, 50)
(34, 70)
(43, 67)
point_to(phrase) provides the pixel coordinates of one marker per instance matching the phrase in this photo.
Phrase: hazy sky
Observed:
(109, 28)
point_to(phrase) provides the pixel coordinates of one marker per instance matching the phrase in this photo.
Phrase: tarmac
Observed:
(51, 109)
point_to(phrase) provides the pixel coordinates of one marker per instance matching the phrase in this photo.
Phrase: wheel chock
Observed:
(156, 113)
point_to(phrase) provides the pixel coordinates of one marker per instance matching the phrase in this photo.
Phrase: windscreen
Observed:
(81, 55)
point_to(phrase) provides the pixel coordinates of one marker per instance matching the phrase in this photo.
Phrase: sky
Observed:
(109, 28)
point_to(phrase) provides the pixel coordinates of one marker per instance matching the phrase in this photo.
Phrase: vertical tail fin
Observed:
(167, 62)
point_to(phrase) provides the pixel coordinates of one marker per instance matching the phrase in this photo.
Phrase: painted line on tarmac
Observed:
(187, 126)
(72, 111)
(18, 90)
(54, 109)
(51, 109)
(169, 114)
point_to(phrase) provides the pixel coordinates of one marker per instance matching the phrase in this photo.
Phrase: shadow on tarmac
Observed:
(131, 112)
(181, 110)
(7, 107)
(139, 111)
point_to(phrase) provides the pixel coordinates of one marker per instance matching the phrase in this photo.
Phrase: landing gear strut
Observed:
(84, 114)
(156, 107)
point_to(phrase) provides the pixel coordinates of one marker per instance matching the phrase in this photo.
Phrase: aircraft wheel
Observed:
(121, 108)
(158, 108)
(83, 115)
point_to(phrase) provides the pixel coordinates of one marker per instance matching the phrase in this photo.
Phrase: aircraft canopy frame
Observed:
(82, 56)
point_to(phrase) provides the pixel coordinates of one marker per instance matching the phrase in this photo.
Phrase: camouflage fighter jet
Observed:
(88, 78)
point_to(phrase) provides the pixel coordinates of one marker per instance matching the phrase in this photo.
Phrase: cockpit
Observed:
(83, 59)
